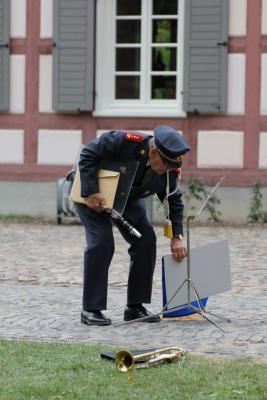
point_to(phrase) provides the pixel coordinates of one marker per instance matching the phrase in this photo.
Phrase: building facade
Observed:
(71, 69)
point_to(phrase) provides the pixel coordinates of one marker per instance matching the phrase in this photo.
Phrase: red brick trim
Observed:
(45, 46)
(264, 44)
(233, 176)
(32, 81)
(18, 46)
(237, 44)
(263, 124)
(33, 173)
(253, 82)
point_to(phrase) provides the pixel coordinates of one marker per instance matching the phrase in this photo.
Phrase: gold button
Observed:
(142, 152)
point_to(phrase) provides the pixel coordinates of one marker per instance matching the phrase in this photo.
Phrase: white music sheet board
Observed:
(210, 272)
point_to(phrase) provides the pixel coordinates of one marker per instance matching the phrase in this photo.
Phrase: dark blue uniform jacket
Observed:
(114, 145)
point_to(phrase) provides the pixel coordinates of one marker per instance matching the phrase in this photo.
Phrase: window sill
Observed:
(146, 113)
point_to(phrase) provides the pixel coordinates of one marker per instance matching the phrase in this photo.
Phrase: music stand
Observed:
(200, 309)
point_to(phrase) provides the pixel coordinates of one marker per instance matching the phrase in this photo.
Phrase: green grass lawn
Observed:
(30, 370)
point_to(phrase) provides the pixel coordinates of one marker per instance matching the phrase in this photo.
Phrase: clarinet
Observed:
(118, 217)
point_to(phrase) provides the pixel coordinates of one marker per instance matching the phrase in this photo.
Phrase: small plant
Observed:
(256, 212)
(196, 190)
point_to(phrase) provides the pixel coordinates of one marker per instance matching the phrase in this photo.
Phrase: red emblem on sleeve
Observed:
(134, 137)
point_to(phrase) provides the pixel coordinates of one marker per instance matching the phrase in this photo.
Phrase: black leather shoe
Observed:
(94, 318)
(139, 311)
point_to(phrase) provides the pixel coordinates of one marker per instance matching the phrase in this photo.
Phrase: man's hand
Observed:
(178, 249)
(96, 202)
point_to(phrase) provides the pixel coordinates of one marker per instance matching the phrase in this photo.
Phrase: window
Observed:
(139, 58)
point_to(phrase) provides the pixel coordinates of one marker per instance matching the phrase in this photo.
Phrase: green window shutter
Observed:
(206, 56)
(73, 55)
(4, 54)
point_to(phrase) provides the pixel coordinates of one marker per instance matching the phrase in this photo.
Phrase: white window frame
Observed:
(105, 104)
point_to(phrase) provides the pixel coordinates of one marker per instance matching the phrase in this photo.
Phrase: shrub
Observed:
(196, 190)
(256, 211)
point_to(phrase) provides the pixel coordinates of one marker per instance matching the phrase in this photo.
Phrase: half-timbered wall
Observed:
(38, 144)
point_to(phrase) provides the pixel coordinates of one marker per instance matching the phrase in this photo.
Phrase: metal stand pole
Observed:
(190, 285)
(200, 309)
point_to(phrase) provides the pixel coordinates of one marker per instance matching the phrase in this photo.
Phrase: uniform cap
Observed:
(171, 145)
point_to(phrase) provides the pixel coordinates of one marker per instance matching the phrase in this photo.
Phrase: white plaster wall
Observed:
(58, 147)
(100, 131)
(264, 84)
(36, 199)
(11, 146)
(17, 84)
(236, 84)
(220, 149)
(237, 17)
(45, 84)
(263, 150)
(264, 17)
(46, 30)
(18, 12)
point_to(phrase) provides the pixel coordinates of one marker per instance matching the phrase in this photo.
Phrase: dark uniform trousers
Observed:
(100, 249)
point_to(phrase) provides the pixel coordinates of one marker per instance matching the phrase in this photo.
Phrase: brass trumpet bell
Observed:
(126, 361)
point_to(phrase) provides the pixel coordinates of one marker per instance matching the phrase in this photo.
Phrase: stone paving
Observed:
(41, 288)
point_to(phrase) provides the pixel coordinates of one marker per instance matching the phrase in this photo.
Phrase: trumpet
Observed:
(126, 361)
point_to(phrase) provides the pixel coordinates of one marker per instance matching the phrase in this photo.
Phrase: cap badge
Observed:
(177, 159)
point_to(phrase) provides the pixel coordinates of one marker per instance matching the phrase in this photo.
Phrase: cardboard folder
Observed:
(108, 183)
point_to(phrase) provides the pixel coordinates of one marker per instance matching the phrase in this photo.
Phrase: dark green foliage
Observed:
(256, 211)
(196, 190)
